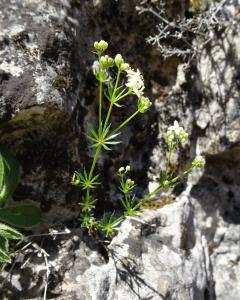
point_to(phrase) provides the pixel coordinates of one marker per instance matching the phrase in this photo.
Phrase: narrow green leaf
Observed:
(118, 105)
(9, 233)
(112, 136)
(106, 147)
(1, 171)
(112, 143)
(4, 256)
(23, 216)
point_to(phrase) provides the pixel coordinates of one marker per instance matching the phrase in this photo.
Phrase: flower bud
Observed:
(198, 162)
(170, 137)
(128, 168)
(183, 136)
(100, 46)
(75, 179)
(119, 60)
(130, 182)
(165, 183)
(143, 104)
(124, 67)
(121, 170)
(106, 62)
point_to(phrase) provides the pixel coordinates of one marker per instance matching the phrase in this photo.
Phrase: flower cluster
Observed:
(100, 46)
(135, 82)
(198, 162)
(123, 170)
(106, 62)
(176, 132)
(143, 104)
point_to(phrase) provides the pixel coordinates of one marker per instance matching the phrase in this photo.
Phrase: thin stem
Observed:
(108, 116)
(157, 190)
(169, 158)
(126, 121)
(112, 100)
(116, 84)
(95, 160)
(92, 169)
(100, 105)
(120, 96)
(150, 195)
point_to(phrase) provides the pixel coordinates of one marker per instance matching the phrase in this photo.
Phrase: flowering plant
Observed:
(126, 82)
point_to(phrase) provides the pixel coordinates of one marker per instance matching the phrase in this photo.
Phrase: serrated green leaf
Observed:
(23, 216)
(11, 174)
(4, 256)
(9, 233)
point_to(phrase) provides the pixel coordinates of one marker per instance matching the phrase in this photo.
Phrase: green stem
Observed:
(95, 160)
(112, 100)
(116, 84)
(108, 116)
(157, 190)
(126, 121)
(150, 195)
(92, 168)
(120, 96)
(100, 105)
(169, 158)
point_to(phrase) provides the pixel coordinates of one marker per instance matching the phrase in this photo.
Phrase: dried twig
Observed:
(175, 37)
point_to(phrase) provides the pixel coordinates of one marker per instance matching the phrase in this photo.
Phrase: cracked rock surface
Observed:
(186, 250)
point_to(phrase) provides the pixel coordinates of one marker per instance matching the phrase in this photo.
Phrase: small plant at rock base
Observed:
(21, 215)
(115, 89)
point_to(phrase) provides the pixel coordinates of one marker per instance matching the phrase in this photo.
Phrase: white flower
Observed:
(135, 82)
(96, 67)
(198, 162)
(100, 73)
(176, 128)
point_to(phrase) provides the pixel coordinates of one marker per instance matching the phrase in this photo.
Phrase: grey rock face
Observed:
(38, 94)
(187, 250)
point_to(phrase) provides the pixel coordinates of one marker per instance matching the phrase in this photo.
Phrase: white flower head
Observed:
(135, 82)
(175, 128)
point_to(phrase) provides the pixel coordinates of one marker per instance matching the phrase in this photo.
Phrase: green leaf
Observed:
(9, 233)
(4, 256)
(23, 216)
(1, 171)
(11, 174)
